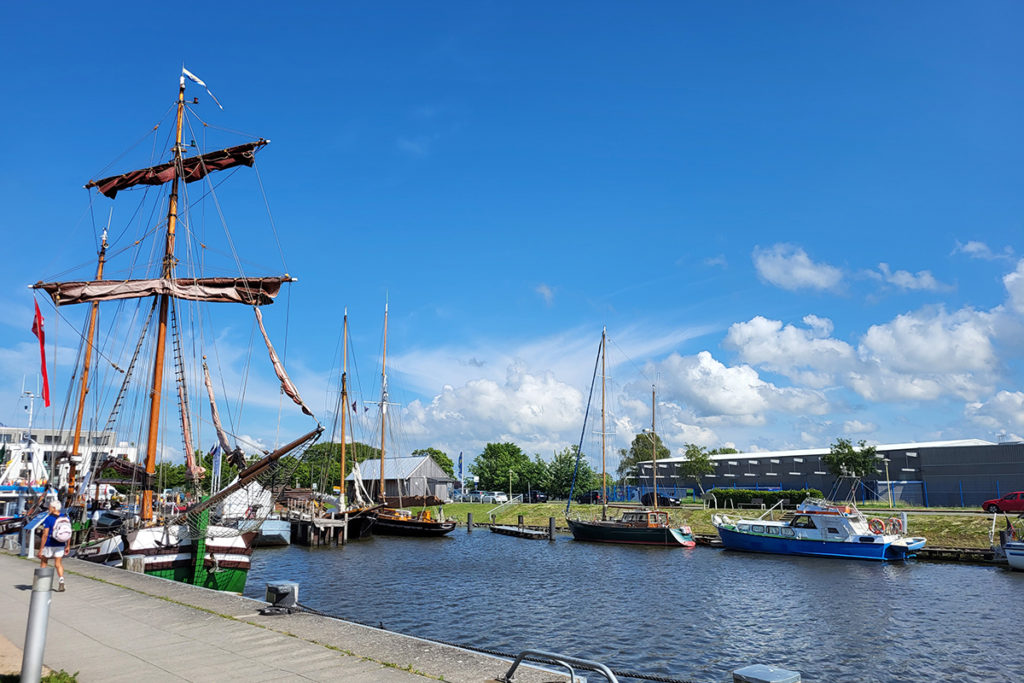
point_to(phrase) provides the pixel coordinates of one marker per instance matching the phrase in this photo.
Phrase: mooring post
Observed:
(469, 522)
(551, 528)
(35, 632)
(521, 523)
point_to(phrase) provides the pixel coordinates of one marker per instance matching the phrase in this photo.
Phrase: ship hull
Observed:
(389, 526)
(736, 540)
(166, 553)
(610, 532)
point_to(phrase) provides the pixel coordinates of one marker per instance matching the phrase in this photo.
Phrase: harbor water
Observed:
(691, 614)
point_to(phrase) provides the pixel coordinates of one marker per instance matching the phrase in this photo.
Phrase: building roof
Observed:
(399, 468)
(805, 452)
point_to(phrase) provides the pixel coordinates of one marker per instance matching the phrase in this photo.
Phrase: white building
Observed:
(28, 456)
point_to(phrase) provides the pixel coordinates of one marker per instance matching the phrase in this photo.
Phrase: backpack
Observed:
(62, 530)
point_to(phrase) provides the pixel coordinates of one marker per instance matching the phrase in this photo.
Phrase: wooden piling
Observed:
(469, 522)
(551, 528)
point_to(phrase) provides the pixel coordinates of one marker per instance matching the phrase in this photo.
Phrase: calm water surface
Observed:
(694, 614)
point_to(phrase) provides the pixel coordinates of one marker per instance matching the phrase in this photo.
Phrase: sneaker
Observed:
(60, 586)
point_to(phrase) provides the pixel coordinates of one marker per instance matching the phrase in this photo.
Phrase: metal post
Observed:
(961, 493)
(35, 632)
(469, 522)
(924, 486)
(520, 521)
(551, 528)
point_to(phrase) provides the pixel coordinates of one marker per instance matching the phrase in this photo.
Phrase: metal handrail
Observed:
(516, 500)
(563, 660)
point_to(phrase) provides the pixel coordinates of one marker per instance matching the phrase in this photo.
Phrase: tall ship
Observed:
(156, 359)
(633, 527)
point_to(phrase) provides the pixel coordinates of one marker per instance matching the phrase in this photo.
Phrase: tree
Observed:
(536, 477)
(697, 463)
(496, 462)
(722, 450)
(440, 457)
(561, 469)
(843, 460)
(639, 451)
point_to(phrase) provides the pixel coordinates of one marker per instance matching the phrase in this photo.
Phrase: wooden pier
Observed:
(521, 532)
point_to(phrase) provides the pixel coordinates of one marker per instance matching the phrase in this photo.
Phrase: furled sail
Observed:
(286, 383)
(194, 470)
(192, 168)
(254, 291)
(222, 436)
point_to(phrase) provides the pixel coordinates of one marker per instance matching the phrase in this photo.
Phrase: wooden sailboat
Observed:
(636, 527)
(398, 521)
(200, 545)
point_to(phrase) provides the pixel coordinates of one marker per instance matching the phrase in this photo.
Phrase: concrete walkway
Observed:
(114, 625)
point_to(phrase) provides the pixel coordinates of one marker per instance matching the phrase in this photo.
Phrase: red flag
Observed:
(37, 329)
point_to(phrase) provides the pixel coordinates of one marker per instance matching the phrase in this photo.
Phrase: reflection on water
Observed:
(696, 614)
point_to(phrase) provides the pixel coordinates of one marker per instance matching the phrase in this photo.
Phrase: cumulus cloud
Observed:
(858, 427)
(1002, 412)
(713, 389)
(805, 354)
(923, 280)
(980, 250)
(1014, 283)
(789, 267)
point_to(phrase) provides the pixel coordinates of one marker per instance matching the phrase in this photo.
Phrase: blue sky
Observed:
(800, 220)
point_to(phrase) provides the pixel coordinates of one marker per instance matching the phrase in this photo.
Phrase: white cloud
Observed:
(921, 281)
(858, 427)
(789, 267)
(546, 293)
(980, 250)
(1014, 283)
(719, 261)
(807, 355)
(1002, 412)
(712, 389)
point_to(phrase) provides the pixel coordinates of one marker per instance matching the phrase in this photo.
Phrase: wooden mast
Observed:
(161, 334)
(604, 471)
(383, 402)
(654, 450)
(344, 409)
(87, 361)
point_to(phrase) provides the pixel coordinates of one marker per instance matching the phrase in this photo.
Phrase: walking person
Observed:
(56, 541)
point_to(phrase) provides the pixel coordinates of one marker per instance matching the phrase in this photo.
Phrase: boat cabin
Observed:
(645, 518)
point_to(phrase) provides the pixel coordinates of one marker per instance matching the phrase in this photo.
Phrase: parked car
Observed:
(1011, 502)
(663, 500)
(460, 496)
(500, 496)
(536, 497)
(590, 497)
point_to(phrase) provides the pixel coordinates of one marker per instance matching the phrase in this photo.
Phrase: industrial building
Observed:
(960, 473)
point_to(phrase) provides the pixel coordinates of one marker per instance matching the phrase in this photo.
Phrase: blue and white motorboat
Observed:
(820, 528)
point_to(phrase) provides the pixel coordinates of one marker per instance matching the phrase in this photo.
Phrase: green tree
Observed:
(495, 463)
(440, 457)
(561, 469)
(536, 476)
(843, 460)
(697, 463)
(639, 451)
(722, 450)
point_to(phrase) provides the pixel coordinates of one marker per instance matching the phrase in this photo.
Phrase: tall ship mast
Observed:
(204, 539)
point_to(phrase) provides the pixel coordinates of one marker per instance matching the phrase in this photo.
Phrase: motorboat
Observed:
(821, 528)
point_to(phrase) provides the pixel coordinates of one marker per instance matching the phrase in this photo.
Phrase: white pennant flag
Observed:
(195, 79)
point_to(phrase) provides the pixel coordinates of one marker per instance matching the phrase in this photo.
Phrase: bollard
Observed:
(469, 522)
(35, 632)
(551, 528)
(521, 523)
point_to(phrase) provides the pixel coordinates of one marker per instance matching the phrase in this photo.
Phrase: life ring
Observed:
(876, 526)
(894, 525)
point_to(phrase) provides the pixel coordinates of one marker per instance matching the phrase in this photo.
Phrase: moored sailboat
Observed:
(635, 527)
(398, 521)
(208, 543)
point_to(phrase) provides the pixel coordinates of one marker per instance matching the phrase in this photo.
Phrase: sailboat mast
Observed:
(604, 471)
(654, 450)
(344, 408)
(383, 402)
(161, 334)
(86, 364)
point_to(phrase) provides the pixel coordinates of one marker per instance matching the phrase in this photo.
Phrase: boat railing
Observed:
(515, 500)
(778, 504)
(561, 660)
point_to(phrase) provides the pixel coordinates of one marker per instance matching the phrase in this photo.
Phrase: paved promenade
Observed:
(114, 625)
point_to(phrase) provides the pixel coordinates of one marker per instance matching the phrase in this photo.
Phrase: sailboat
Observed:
(637, 527)
(398, 521)
(204, 544)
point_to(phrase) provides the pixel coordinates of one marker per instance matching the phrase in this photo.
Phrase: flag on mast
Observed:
(195, 79)
(37, 330)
